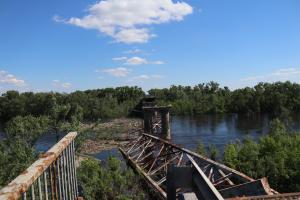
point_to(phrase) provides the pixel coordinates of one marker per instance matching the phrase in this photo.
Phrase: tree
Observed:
(27, 128)
(15, 156)
(230, 157)
(201, 149)
(275, 156)
(213, 152)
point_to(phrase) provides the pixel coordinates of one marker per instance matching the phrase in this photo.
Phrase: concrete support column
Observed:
(147, 121)
(165, 121)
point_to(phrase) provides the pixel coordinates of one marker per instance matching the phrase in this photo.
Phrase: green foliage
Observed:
(277, 127)
(15, 156)
(213, 152)
(27, 128)
(230, 157)
(280, 98)
(276, 156)
(110, 182)
(201, 149)
(89, 105)
(28, 115)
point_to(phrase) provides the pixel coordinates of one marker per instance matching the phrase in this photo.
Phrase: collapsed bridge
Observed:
(178, 173)
(172, 171)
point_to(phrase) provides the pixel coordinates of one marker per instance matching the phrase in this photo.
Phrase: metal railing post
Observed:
(53, 175)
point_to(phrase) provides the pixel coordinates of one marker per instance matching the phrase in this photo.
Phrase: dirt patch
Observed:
(91, 146)
(108, 135)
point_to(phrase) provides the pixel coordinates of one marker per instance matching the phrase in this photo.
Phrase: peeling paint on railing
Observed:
(52, 176)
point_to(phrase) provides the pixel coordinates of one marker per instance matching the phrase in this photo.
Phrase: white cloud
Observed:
(136, 61)
(57, 18)
(158, 62)
(59, 84)
(145, 77)
(119, 58)
(133, 51)
(128, 21)
(7, 78)
(133, 35)
(285, 74)
(117, 72)
(66, 85)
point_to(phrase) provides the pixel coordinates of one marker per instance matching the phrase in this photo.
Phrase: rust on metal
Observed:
(22, 183)
(151, 156)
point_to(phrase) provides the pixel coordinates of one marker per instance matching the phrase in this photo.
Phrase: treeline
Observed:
(273, 98)
(90, 104)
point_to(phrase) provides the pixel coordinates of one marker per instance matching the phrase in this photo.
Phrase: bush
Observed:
(108, 182)
(27, 128)
(276, 156)
(15, 156)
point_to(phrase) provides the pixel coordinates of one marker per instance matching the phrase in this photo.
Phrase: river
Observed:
(217, 129)
(220, 129)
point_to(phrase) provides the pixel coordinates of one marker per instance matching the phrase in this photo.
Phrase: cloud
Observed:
(117, 72)
(59, 84)
(145, 77)
(158, 62)
(133, 51)
(119, 58)
(136, 61)
(292, 74)
(128, 21)
(57, 18)
(10, 79)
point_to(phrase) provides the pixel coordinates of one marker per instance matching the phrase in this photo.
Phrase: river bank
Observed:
(98, 137)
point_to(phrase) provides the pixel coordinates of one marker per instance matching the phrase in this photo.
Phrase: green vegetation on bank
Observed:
(109, 182)
(273, 98)
(89, 105)
(92, 105)
(275, 156)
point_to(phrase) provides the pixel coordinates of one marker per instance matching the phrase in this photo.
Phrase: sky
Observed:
(68, 45)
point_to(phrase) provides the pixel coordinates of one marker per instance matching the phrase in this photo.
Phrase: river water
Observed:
(221, 129)
(206, 129)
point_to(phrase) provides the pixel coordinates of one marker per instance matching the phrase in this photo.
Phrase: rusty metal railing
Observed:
(52, 176)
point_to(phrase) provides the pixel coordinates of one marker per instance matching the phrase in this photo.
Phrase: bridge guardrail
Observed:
(52, 176)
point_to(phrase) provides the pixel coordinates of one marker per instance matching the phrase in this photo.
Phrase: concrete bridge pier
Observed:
(147, 120)
(165, 122)
(157, 116)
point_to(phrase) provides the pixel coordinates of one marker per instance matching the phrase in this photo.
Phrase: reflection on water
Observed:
(189, 131)
(105, 154)
(2, 135)
(114, 152)
(220, 129)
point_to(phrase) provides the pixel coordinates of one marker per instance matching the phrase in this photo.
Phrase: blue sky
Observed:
(67, 45)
